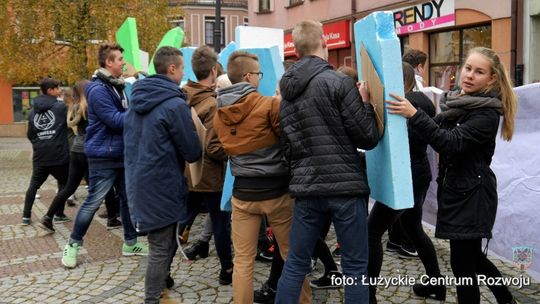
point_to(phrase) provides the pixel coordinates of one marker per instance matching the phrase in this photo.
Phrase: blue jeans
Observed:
(349, 215)
(100, 182)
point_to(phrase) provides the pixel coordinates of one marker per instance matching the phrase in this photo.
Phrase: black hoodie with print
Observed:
(47, 131)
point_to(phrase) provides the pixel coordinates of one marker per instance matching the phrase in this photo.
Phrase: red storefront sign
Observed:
(337, 36)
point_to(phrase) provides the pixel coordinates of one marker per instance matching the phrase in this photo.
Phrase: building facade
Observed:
(444, 29)
(199, 17)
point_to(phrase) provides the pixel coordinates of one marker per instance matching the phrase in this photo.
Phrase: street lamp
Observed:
(217, 28)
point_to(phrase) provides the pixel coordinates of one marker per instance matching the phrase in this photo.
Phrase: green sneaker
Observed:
(69, 258)
(137, 249)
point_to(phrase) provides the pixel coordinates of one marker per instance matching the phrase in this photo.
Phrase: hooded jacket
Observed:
(324, 121)
(159, 137)
(247, 124)
(47, 131)
(104, 143)
(203, 100)
(467, 187)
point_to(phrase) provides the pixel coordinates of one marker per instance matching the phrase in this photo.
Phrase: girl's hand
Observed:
(364, 91)
(401, 107)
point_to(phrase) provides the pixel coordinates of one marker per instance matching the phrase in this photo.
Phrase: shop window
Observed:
(447, 51)
(23, 101)
(404, 41)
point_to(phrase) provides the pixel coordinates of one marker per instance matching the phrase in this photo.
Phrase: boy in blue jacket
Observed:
(104, 147)
(159, 137)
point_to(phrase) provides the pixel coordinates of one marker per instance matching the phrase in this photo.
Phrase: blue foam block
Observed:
(388, 165)
(223, 57)
(272, 68)
(226, 195)
(188, 71)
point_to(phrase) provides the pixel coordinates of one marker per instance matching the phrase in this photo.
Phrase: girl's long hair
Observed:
(80, 97)
(503, 85)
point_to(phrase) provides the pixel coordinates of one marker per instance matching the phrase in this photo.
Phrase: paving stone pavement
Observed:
(31, 272)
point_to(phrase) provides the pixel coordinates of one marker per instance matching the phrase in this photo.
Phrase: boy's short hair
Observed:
(240, 63)
(202, 61)
(414, 57)
(306, 37)
(48, 83)
(164, 57)
(349, 72)
(106, 52)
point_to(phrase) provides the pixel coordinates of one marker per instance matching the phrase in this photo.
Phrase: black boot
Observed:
(437, 292)
(225, 276)
(200, 248)
(170, 282)
(372, 294)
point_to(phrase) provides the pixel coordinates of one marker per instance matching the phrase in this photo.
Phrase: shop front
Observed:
(338, 40)
(447, 29)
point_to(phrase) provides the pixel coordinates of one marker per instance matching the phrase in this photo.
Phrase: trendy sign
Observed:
(337, 35)
(427, 15)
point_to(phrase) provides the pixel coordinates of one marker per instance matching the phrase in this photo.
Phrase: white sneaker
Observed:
(38, 196)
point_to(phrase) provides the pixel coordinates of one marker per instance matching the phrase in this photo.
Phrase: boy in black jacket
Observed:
(47, 131)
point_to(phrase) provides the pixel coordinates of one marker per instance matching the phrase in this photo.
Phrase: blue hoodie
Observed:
(159, 136)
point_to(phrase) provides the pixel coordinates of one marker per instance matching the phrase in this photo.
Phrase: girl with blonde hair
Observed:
(464, 134)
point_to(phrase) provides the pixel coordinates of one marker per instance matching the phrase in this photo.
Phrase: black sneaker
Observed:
(225, 276)
(265, 256)
(392, 247)
(61, 219)
(325, 281)
(407, 254)
(200, 248)
(47, 224)
(265, 295)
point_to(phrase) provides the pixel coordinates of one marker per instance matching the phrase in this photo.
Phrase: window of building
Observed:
(447, 51)
(295, 2)
(23, 101)
(264, 6)
(209, 30)
(246, 21)
(177, 22)
(404, 40)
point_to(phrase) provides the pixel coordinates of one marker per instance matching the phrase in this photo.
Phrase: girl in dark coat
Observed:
(382, 217)
(464, 134)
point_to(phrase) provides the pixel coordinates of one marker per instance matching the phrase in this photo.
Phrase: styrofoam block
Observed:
(388, 165)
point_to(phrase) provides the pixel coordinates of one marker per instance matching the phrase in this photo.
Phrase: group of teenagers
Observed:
(298, 166)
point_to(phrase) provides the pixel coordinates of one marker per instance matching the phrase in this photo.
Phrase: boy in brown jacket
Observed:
(247, 124)
(202, 97)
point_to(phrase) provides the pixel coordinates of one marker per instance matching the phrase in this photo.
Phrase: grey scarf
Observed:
(106, 76)
(453, 104)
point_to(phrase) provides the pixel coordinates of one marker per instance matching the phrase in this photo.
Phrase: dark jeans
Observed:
(162, 248)
(39, 176)
(101, 181)
(112, 203)
(382, 217)
(467, 261)
(322, 251)
(78, 168)
(221, 223)
(349, 215)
